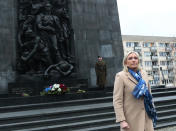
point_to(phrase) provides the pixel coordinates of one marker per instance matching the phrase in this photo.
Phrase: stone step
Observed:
(116, 127)
(164, 93)
(164, 100)
(73, 125)
(165, 107)
(49, 120)
(159, 126)
(9, 101)
(74, 102)
(51, 115)
(59, 120)
(159, 93)
(167, 112)
(55, 104)
(79, 109)
(77, 114)
(162, 89)
(110, 127)
(166, 119)
(80, 126)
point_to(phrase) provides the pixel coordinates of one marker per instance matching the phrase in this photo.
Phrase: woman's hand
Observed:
(124, 125)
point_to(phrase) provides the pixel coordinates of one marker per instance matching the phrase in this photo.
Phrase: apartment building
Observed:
(157, 57)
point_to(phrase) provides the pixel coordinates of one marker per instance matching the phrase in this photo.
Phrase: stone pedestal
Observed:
(34, 84)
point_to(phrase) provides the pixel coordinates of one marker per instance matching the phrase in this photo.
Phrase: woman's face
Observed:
(132, 61)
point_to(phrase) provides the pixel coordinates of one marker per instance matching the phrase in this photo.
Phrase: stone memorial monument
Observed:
(51, 41)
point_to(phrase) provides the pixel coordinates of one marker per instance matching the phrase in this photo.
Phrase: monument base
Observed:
(34, 84)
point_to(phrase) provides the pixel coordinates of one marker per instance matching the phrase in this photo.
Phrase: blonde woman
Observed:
(132, 98)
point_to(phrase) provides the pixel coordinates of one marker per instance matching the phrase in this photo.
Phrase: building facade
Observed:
(157, 57)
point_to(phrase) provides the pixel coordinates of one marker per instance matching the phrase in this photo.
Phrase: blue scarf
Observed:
(142, 90)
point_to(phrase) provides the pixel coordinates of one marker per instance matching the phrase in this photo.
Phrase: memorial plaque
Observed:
(106, 51)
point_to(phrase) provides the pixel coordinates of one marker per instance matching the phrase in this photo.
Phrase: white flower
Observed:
(59, 89)
(55, 86)
(52, 89)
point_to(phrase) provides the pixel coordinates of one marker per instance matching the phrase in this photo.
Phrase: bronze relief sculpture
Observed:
(44, 37)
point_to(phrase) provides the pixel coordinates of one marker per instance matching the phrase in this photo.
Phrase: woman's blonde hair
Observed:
(125, 68)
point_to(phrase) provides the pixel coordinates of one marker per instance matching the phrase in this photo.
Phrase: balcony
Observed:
(169, 58)
(153, 49)
(170, 67)
(154, 58)
(156, 76)
(156, 67)
(137, 48)
(171, 75)
(168, 49)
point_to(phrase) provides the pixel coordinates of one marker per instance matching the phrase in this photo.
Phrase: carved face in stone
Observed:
(63, 66)
(29, 33)
(48, 7)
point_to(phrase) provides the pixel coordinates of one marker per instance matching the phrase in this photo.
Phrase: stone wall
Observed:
(96, 32)
(7, 42)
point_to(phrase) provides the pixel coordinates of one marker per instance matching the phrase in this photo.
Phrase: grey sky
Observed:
(147, 17)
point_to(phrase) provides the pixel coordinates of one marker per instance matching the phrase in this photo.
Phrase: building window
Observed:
(146, 44)
(170, 63)
(165, 81)
(163, 54)
(129, 44)
(149, 73)
(165, 72)
(148, 63)
(136, 44)
(174, 44)
(153, 82)
(147, 54)
(167, 44)
(163, 63)
(161, 44)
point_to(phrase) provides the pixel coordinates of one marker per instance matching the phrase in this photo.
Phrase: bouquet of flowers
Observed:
(55, 89)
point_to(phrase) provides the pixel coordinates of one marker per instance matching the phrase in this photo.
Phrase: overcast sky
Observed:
(147, 17)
